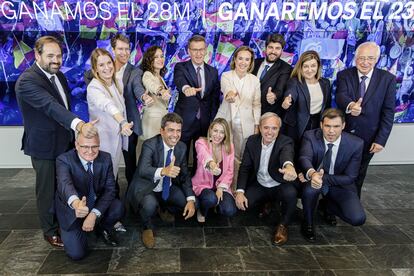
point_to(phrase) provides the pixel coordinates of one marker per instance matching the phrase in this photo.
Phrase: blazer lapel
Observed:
(305, 91)
(65, 89)
(372, 87)
(160, 152)
(355, 83)
(192, 73)
(325, 91)
(269, 74)
(321, 149)
(340, 155)
(127, 74)
(51, 90)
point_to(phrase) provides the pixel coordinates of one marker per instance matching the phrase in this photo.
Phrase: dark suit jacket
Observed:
(298, 115)
(347, 161)
(133, 91)
(46, 120)
(276, 77)
(376, 120)
(187, 107)
(72, 179)
(283, 151)
(152, 158)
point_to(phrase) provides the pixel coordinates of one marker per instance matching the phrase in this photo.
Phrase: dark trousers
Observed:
(285, 194)
(151, 202)
(45, 192)
(130, 157)
(75, 239)
(366, 158)
(340, 202)
(190, 139)
(208, 199)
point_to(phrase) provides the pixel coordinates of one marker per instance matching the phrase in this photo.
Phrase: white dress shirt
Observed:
(367, 81)
(316, 98)
(262, 67)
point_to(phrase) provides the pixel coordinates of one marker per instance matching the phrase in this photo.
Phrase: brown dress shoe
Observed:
(281, 235)
(148, 238)
(54, 240)
(166, 216)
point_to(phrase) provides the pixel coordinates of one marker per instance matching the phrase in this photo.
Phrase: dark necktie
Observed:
(166, 180)
(52, 79)
(326, 165)
(91, 197)
(362, 87)
(199, 80)
(264, 72)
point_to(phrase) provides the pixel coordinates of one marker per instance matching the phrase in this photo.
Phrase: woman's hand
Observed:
(126, 128)
(214, 168)
(165, 94)
(287, 102)
(231, 96)
(219, 194)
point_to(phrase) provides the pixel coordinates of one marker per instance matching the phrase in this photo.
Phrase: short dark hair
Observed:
(332, 113)
(275, 38)
(196, 38)
(120, 37)
(171, 117)
(44, 40)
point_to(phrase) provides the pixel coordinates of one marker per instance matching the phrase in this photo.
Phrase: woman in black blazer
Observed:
(306, 97)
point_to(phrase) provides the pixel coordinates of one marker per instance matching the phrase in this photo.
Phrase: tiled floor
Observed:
(237, 246)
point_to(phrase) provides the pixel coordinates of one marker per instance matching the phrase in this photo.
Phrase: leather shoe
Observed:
(54, 240)
(281, 235)
(308, 232)
(329, 219)
(109, 238)
(266, 210)
(148, 238)
(166, 216)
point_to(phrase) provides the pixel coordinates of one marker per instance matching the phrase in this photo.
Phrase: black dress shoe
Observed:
(109, 238)
(330, 219)
(308, 232)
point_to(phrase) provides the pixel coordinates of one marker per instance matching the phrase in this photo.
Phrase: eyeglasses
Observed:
(202, 50)
(370, 59)
(87, 148)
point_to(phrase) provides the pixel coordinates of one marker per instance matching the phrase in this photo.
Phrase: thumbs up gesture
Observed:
(81, 210)
(287, 102)
(270, 96)
(171, 170)
(316, 179)
(147, 99)
(289, 172)
(355, 107)
(231, 96)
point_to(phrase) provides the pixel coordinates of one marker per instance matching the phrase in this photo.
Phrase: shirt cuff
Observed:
(157, 174)
(307, 173)
(347, 111)
(240, 191)
(223, 186)
(286, 163)
(97, 212)
(191, 198)
(71, 199)
(74, 123)
(185, 87)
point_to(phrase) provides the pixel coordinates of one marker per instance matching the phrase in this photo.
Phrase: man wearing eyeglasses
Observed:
(367, 95)
(199, 93)
(85, 197)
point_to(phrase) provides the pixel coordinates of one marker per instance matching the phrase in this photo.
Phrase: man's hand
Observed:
(165, 94)
(147, 99)
(241, 201)
(189, 210)
(256, 129)
(219, 194)
(191, 91)
(81, 210)
(355, 107)
(270, 96)
(171, 170)
(89, 222)
(289, 173)
(316, 179)
(231, 96)
(89, 130)
(287, 102)
(302, 178)
(375, 148)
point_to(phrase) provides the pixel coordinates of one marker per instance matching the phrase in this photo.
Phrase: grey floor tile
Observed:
(296, 237)
(386, 234)
(403, 272)
(29, 207)
(389, 256)
(21, 262)
(11, 206)
(260, 235)
(345, 235)
(394, 216)
(364, 272)
(178, 237)
(340, 257)
(3, 235)
(226, 237)
(145, 261)
(302, 273)
(210, 259)
(125, 240)
(9, 172)
(17, 193)
(407, 229)
(57, 262)
(388, 201)
(244, 273)
(21, 240)
(19, 221)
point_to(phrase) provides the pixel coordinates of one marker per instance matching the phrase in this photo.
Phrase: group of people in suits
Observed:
(272, 139)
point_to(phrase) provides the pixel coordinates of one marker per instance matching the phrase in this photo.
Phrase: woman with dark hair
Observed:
(153, 65)
(215, 169)
(306, 97)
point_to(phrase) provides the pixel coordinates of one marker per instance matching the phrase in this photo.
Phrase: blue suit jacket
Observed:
(72, 179)
(376, 120)
(187, 107)
(46, 120)
(347, 161)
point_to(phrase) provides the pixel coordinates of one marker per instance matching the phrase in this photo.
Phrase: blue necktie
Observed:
(166, 180)
(326, 165)
(264, 72)
(362, 87)
(90, 198)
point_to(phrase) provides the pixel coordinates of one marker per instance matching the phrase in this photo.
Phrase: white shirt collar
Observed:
(336, 143)
(369, 75)
(122, 69)
(84, 162)
(166, 147)
(48, 75)
(268, 146)
(196, 66)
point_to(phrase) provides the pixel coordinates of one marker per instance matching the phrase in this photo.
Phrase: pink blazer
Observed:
(203, 178)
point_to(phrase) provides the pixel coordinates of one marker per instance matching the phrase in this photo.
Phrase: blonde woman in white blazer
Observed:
(241, 104)
(106, 103)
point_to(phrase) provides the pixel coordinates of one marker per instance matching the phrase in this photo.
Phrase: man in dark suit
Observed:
(199, 93)
(273, 74)
(330, 160)
(367, 96)
(85, 197)
(162, 179)
(43, 97)
(267, 173)
(130, 78)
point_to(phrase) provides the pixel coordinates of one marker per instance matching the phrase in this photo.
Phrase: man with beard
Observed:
(273, 74)
(44, 99)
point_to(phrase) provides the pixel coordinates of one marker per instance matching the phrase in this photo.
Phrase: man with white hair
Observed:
(367, 95)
